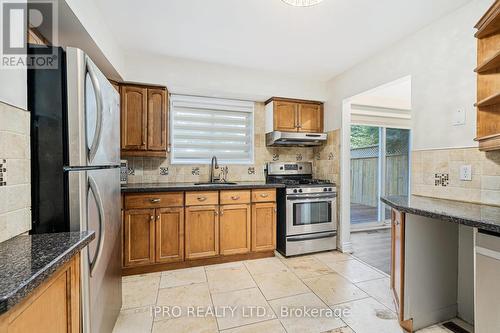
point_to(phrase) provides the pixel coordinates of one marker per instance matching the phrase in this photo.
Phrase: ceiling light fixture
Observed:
(302, 3)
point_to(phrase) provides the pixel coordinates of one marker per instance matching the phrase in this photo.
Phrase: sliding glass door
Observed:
(379, 166)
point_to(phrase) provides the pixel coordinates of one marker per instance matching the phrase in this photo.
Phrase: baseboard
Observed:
(345, 247)
(153, 268)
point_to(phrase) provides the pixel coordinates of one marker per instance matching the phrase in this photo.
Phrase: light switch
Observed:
(466, 172)
(459, 117)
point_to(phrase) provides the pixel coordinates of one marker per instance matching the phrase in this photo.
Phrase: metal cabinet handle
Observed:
(155, 200)
(158, 217)
(221, 212)
(216, 213)
(236, 197)
(275, 210)
(151, 218)
(202, 198)
(264, 195)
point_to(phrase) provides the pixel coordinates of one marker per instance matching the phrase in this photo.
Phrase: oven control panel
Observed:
(310, 190)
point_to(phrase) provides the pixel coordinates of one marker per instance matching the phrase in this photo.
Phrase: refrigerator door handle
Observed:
(98, 96)
(100, 242)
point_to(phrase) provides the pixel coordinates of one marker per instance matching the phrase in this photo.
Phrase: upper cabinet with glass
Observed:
(292, 115)
(143, 120)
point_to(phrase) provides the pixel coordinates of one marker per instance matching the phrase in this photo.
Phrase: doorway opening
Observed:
(375, 162)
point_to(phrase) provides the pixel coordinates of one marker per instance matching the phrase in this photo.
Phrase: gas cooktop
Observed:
(302, 182)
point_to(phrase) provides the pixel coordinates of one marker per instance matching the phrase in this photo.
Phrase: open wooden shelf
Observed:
(489, 64)
(489, 143)
(489, 101)
(489, 24)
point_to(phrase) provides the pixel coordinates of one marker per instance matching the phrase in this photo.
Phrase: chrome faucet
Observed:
(214, 166)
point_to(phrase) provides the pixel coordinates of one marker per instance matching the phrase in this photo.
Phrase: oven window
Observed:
(306, 213)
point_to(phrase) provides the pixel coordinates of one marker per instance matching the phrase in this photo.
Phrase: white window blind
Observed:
(202, 127)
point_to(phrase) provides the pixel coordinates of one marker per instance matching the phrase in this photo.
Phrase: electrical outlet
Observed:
(466, 172)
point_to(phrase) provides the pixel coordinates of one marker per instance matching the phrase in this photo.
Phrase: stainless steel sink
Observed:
(208, 184)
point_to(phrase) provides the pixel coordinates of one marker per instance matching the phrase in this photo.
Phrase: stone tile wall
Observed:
(436, 173)
(15, 191)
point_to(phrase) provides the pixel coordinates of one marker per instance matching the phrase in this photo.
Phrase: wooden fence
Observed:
(364, 177)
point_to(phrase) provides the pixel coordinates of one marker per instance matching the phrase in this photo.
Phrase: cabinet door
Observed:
(285, 116)
(169, 234)
(139, 237)
(310, 118)
(397, 271)
(202, 232)
(263, 226)
(157, 119)
(235, 228)
(134, 117)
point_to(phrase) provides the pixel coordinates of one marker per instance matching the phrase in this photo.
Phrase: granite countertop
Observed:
(480, 216)
(26, 261)
(173, 187)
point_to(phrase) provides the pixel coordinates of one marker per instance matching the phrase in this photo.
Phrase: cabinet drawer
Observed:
(264, 195)
(234, 197)
(202, 198)
(153, 200)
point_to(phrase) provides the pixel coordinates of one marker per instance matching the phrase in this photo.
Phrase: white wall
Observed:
(13, 88)
(440, 58)
(183, 76)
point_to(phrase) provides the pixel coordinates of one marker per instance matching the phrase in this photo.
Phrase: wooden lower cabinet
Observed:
(139, 237)
(170, 234)
(398, 266)
(202, 232)
(235, 229)
(53, 307)
(263, 226)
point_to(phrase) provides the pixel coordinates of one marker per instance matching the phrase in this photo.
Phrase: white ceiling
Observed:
(316, 42)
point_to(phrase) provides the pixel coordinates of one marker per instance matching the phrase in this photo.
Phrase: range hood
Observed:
(294, 139)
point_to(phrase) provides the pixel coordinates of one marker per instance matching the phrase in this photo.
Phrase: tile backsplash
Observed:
(436, 173)
(15, 191)
(152, 170)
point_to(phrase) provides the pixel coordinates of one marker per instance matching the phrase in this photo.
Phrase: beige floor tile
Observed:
(355, 271)
(332, 256)
(234, 264)
(194, 295)
(140, 291)
(297, 322)
(434, 329)
(369, 316)
(186, 325)
(379, 289)
(137, 320)
(183, 277)
(229, 279)
(345, 329)
(334, 289)
(280, 284)
(307, 266)
(243, 301)
(270, 326)
(140, 277)
(266, 265)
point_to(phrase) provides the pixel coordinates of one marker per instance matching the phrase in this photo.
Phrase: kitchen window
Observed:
(202, 127)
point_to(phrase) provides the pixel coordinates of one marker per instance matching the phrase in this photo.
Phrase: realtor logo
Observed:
(19, 19)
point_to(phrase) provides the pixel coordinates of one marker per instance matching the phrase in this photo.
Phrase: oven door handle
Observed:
(311, 196)
(311, 237)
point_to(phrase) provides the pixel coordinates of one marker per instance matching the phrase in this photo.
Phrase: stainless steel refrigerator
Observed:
(75, 156)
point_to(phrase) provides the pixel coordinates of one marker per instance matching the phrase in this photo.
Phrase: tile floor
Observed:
(327, 292)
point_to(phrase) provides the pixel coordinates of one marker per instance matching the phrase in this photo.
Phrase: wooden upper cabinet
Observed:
(201, 232)
(291, 115)
(169, 234)
(139, 237)
(263, 226)
(157, 119)
(285, 116)
(134, 117)
(144, 113)
(235, 229)
(310, 118)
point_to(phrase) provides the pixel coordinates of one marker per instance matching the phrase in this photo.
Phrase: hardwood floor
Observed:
(374, 248)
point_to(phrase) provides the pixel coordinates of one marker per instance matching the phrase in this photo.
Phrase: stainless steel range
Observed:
(307, 209)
